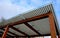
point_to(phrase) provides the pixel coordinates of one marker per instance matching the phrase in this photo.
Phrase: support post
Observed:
(5, 32)
(52, 26)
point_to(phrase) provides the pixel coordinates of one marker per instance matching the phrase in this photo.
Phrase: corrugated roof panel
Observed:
(16, 32)
(25, 29)
(38, 11)
(42, 26)
(11, 34)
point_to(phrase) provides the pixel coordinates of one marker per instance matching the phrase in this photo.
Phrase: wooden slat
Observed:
(5, 32)
(52, 26)
(28, 25)
(19, 31)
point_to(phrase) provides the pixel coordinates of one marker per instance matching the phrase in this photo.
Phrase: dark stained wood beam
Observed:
(19, 31)
(28, 25)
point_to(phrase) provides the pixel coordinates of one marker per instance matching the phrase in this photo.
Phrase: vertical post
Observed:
(5, 32)
(52, 25)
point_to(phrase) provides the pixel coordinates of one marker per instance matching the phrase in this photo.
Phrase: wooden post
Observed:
(5, 32)
(52, 26)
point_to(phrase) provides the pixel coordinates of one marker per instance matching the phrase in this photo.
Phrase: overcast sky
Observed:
(11, 8)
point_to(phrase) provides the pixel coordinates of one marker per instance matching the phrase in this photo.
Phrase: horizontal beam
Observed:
(28, 19)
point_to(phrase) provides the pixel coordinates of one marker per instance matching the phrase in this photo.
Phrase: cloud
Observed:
(8, 9)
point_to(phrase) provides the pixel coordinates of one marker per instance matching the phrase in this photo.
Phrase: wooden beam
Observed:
(28, 25)
(28, 19)
(9, 35)
(13, 33)
(2, 33)
(10, 32)
(19, 31)
(52, 26)
(5, 32)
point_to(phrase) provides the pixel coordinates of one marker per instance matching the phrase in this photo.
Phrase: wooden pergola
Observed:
(53, 28)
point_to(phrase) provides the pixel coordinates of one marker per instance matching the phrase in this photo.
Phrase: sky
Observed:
(11, 8)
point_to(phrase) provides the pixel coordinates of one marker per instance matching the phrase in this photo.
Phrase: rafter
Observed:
(13, 33)
(28, 25)
(7, 34)
(10, 32)
(19, 31)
